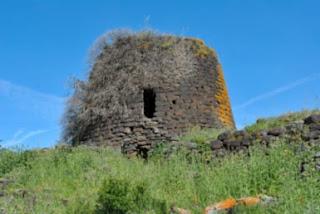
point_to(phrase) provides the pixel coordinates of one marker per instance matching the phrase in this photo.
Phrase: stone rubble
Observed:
(306, 132)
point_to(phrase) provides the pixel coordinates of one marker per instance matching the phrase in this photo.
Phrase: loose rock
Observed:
(313, 135)
(315, 118)
(224, 136)
(314, 127)
(217, 144)
(277, 132)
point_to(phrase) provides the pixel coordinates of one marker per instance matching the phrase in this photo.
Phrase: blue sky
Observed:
(269, 50)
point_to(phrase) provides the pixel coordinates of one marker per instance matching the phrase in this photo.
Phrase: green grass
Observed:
(92, 180)
(274, 122)
(71, 180)
(201, 136)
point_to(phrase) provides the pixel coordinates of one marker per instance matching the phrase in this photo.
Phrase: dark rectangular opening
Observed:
(149, 100)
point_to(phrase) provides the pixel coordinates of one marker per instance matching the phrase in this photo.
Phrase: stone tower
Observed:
(145, 88)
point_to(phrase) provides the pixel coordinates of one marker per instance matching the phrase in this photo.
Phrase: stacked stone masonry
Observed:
(185, 77)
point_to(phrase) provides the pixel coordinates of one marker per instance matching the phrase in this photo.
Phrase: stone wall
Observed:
(188, 83)
(304, 134)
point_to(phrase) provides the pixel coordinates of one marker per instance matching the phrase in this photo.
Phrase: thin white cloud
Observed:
(9, 89)
(18, 133)
(277, 91)
(45, 105)
(21, 137)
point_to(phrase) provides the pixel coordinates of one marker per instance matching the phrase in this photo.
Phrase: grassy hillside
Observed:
(99, 180)
(273, 122)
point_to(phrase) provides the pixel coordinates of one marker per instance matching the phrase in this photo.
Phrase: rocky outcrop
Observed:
(305, 132)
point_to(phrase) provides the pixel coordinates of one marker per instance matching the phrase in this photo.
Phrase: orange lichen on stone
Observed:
(229, 204)
(200, 49)
(249, 201)
(223, 205)
(223, 109)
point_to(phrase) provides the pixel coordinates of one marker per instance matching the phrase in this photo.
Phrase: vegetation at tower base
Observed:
(145, 88)
(101, 180)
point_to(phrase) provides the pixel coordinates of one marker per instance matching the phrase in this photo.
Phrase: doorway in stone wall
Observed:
(149, 100)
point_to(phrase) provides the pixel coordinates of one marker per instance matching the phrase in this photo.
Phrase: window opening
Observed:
(149, 100)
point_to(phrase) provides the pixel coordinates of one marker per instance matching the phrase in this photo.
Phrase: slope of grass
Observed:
(274, 122)
(100, 180)
(69, 180)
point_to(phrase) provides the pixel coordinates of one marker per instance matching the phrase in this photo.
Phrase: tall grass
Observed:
(11, 159)
(71, 180)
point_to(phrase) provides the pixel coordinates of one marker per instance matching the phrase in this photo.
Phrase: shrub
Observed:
(73, 120)
(119, 196)
(10, 160)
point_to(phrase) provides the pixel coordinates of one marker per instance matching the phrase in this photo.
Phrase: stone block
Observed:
(217, 144)
(315, 118)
